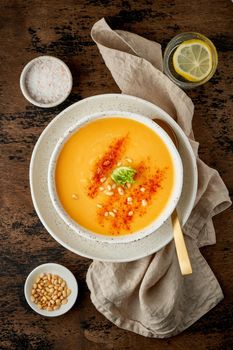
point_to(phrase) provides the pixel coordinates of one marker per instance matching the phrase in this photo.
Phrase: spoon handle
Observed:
(182, 254)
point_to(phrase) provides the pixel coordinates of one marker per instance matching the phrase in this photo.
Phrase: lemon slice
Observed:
(193, 60)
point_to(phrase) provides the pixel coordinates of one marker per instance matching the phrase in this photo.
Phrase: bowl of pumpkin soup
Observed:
(115, 177)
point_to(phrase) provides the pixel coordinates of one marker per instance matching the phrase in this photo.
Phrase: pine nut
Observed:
(109, 187)
(144, 203)
(74, 196)
(129, 199)
(142, 189)
(128, 185)
(119, 164)
(114, 210)
(103, 179)
(113, 186)
(101, 188)
(109, 193)
(64, 301)
(41, 275)
(68, 292)
(32, 298)
(120, 191)
(112, 214)
(99, 205)
(106, 213)
(129, 160)
(130, 213)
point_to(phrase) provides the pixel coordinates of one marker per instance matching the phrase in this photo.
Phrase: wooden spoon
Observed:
(182, 253)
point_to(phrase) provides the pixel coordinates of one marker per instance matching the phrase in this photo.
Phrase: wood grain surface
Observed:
(62, 28)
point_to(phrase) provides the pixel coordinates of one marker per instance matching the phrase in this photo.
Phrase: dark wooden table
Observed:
(62, 28)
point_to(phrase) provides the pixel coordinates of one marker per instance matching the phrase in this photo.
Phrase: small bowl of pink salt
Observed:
(46, 81)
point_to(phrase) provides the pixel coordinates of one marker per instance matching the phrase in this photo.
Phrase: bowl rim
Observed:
(170, 205)
(25, 91)
(70, 303)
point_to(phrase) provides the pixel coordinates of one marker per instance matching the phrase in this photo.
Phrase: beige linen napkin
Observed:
(149, 296)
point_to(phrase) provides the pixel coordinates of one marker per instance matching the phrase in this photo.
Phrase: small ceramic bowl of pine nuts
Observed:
(51, 289)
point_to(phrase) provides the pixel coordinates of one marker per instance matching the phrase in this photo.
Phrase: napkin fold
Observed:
(150, 296)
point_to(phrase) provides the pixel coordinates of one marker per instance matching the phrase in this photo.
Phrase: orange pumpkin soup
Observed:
(114, 176)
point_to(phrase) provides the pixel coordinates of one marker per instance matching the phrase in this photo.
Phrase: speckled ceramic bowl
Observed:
(171, 203)
(66, 73)
(55, 269)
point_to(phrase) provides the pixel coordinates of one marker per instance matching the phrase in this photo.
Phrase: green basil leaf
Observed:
(123, 175)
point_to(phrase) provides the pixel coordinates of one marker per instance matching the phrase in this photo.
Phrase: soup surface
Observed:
(114, 176)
